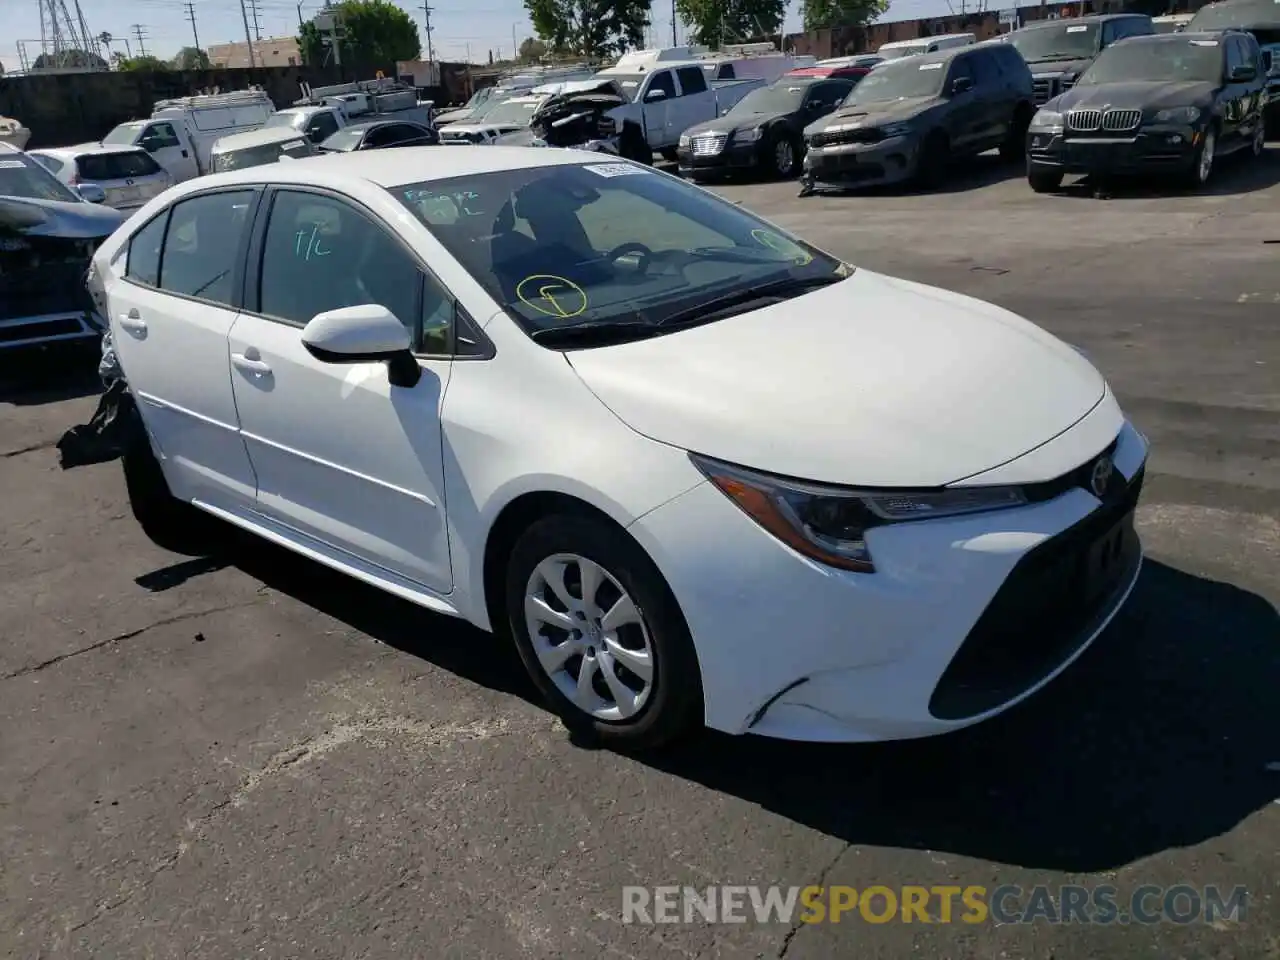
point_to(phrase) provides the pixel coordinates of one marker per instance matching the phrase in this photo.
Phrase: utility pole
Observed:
(674, 41)
(244, 15)
(426, 16)
(191, 15)
(299, 18)
(142, 41)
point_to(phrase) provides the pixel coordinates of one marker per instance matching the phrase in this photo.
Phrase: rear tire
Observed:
(1043, 181)
(168, 522)
(650, 659)
(935, 156)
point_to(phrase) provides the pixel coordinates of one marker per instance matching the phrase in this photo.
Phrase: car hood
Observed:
(1133, 95)
(876, 113)
(1053, 68)
(57, 218)
(737, 121)
(491, 128)
(453, 116)
(872, 381)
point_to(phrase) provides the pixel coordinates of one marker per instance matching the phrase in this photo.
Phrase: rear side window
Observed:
(985, 71)
(52, 164)
(116, 166)
(202, 243)
(143, 264)
(691, 80)
(726, 72)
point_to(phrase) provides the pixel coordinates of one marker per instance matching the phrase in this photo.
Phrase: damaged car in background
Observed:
(580, 116)
(48, 235)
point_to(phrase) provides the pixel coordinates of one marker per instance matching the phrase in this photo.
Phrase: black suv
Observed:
(1170, 102)
(1261, 18)
(1058, 51)
(909, 118)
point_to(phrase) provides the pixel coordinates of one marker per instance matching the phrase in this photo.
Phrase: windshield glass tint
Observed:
(347, 139)
(256, 156)
(783, 97)
(116, 166)
(898, 53)
(512, 111)
(23, 177)
(125, 133)
(1166, 60)
(1069, 41)
(292, 120)
(1235, 14)
(570, 243)
(899, 80)
(629, 84)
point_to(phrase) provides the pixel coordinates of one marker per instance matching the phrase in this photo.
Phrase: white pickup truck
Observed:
(326, 110)
(666, 98)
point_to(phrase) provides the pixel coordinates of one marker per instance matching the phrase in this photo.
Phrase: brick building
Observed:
(271, 52)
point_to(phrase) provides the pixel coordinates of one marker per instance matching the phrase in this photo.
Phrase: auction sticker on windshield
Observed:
(12, 165)
(614, 169)
(1077, 29)
(930, 66)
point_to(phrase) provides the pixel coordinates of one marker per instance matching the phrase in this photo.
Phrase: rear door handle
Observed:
(133, 322)
(256, 368)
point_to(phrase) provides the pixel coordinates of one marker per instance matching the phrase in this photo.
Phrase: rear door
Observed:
(696, 103)
(173, 297)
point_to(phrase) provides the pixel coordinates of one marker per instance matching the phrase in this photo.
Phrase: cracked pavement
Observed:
(202, 759)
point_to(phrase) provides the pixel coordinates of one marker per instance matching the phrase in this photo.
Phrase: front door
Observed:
(658, 113)
(173, 152)
(968, 114)
(340, 454)
(171, 315)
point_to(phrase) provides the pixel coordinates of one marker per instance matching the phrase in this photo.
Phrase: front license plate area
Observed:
(1103, 563)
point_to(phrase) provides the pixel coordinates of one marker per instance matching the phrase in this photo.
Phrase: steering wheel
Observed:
(631, 246)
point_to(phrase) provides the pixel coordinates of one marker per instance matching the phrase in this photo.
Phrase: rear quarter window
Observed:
(116, 166)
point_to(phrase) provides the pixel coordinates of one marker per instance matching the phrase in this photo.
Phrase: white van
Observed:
(181, 133)
(911, 48)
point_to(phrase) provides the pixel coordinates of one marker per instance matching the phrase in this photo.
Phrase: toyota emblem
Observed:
(1100, 478)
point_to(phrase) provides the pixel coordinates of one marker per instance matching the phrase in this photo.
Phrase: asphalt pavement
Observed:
(262, 758)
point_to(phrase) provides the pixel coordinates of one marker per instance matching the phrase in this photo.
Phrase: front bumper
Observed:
(42, 292)
(963, 619)
(891, 160)
(1169, 148)
(734, 158)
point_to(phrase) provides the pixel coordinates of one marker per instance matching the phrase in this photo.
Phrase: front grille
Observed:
(43, 275)
(1045, 610)
(1121, 119)
(1043, 89)
(863, 135)
(1085, 121)
(709, 145)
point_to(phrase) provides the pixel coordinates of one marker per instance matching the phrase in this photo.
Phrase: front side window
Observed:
(20, 176)
(322, 125)
(162, 134)
(607, 242)
(202, 243)
(663, 81)
(321, 254)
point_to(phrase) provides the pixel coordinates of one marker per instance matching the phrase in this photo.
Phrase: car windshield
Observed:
(1169, 60)
(21, 176)
(898, 81)
(609, 243)
(344, 140)
(294, 121)
(263, 153)
(124, 133)
(1063, 41)
(783, 97)
(1235, 13)
(897, 53)
(629, 83)
(513, 111)
(116, 166)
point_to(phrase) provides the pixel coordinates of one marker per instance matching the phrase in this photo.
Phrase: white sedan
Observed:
(699, 471)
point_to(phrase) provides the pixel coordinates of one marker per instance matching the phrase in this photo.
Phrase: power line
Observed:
(191, 15)
(137, 29)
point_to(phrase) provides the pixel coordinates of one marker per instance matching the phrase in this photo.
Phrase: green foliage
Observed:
(191, 58)
(147, 64)
(373, 32)
(531, 50)
(714, 22)
(589, 28)
(69, 58)
(825, 14)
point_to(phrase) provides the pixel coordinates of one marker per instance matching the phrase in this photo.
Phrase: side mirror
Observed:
(653, 95)
(149, 144)
(1242, 73)
(369, 333)
(91, 193)
(961, 85)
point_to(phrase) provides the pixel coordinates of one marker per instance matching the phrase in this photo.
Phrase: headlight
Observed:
(685, 140)
(896, 129)
(1047, 121)
(829, 524)
(1178, 115)
(747, 136)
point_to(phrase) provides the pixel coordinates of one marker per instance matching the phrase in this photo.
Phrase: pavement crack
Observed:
(120, 637)
(821, 882)
(30, 448)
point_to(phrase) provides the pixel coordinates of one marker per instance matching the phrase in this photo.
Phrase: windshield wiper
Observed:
(593, 331)
(731, 303)
(1052, 57)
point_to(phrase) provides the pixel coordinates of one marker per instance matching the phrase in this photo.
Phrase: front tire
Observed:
(601, 634)
(168, 522)
(1015, 144)
(784, 156)
(1043, 181)
(1259, 144)
(1203, 163)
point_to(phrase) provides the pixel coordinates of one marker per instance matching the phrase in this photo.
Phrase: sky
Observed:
(458, 26)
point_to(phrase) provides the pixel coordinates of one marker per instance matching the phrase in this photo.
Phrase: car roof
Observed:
(396, 168)
(1091, 18)
(945, 55)
(1204, 36)
(87, 150)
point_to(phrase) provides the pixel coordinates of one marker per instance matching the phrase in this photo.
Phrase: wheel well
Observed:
(517, 517)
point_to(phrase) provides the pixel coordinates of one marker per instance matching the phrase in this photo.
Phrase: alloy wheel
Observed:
(1206, 156)
(784, 157)
(589, 637)
(1259, 139)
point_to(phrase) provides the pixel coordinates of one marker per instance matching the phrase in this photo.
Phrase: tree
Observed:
(589, 28)
(147, 64)
(73, 58)
(191, 58)
(373, 32)
(531, 50)
(825, 14)
(715, 22)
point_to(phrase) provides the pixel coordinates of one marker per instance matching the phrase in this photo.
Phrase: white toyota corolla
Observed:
(699, 470)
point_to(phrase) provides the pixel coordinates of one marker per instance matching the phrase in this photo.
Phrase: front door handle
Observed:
(133, 322)
(249, 365)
